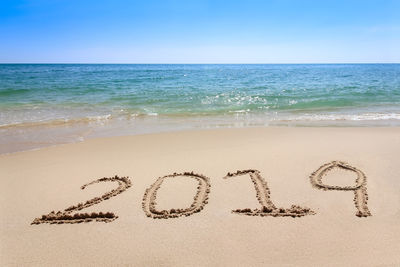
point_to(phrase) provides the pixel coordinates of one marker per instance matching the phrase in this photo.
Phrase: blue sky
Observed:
(173, 31)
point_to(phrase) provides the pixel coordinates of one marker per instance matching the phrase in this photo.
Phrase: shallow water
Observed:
(42, 104)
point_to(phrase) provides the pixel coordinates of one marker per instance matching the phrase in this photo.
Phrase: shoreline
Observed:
(52, 104)
(14, 142)
(321, 228)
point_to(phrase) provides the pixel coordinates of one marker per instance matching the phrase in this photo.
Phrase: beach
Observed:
(200, 133)
(34, 183)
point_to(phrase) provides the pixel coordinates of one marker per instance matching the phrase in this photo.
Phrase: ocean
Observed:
(47, 104)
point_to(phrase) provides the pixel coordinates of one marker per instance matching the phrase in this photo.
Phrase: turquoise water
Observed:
(147, 98)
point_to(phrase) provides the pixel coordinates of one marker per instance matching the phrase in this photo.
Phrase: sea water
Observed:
(44, 104)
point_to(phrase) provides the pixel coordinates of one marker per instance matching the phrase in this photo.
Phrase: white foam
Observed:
(343, 117)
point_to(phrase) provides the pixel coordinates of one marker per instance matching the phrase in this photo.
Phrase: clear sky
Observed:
(214, 31)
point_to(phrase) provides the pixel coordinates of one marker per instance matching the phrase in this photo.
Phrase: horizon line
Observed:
(191, 63)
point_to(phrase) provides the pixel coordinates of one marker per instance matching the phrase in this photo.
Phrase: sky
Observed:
(212, 31)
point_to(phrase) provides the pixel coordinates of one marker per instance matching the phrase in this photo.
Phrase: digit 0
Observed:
(200, 199)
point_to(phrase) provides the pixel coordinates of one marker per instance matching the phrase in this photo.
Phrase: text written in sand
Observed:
(67, 216)
(263, 196)
(201, 197)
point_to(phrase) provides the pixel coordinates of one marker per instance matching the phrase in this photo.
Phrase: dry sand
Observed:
(168, 227)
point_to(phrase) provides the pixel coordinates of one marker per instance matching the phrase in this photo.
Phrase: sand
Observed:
(291, 196)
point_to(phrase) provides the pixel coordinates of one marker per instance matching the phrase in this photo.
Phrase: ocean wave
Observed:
(342, 117)
(57, 122)
(11, 92)
(240, 111)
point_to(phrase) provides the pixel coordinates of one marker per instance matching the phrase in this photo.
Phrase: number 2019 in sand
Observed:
(267, 207)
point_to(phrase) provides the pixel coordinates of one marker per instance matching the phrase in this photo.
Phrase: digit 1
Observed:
(263, 196)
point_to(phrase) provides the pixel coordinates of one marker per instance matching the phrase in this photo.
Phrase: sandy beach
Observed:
(200, 133)
(34, 183)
